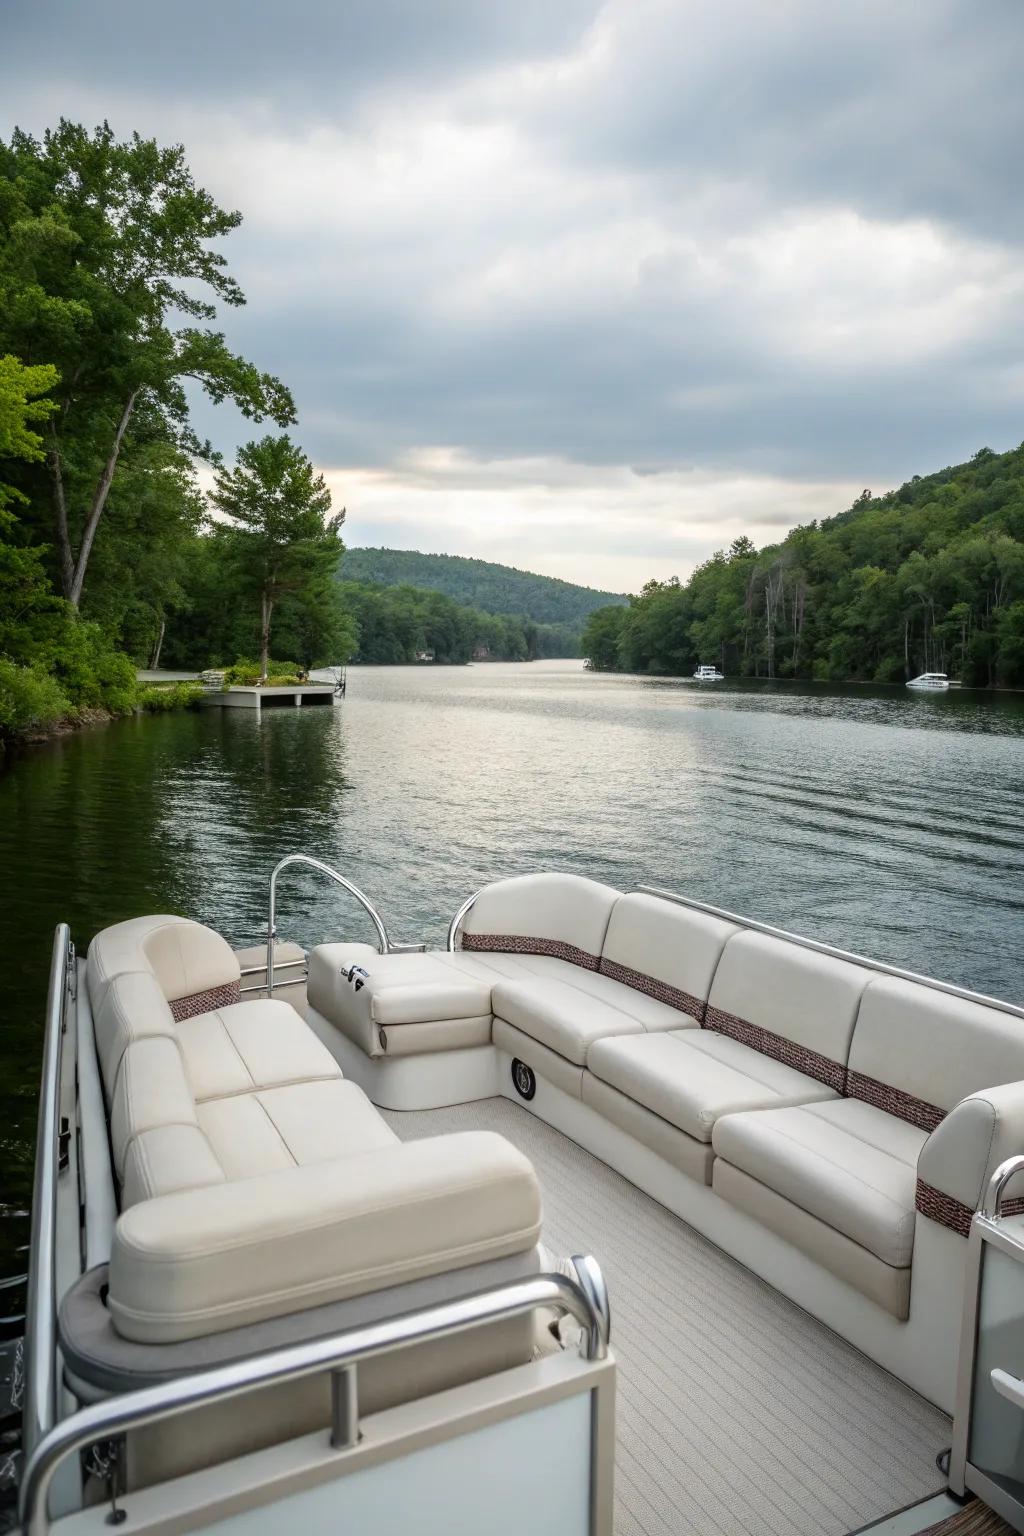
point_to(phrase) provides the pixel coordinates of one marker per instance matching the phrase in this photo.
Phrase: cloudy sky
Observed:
(591, 288)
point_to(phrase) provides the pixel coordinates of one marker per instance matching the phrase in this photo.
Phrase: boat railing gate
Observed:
(384, 944)
(583, 1298)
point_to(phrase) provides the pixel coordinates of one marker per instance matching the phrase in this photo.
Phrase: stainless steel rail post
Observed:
(383, 942)
(41, 1311)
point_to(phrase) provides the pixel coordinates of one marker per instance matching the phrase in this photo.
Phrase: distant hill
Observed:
(479, 584)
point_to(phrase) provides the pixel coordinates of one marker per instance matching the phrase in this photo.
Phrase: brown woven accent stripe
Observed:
(894, 1101)
(640, 982)
(525, 944)
(799, 1057)
(953, 1213)
(202, 1002)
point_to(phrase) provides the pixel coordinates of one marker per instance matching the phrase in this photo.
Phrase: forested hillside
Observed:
(926, 578)
(478, 583)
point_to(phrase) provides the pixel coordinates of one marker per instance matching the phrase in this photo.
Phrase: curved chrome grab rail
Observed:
(383, 942)
(41, 1313)
(997, 1183)
(458, 920)
(116, 1416)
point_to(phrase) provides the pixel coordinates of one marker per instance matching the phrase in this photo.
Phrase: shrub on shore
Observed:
(30, 700)
(161, 698)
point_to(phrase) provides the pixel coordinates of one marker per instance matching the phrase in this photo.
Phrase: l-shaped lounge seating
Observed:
(264, 1200)
(830, 1123)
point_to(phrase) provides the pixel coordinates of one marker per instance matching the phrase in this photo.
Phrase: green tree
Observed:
(601, 635)
(106, 262)
(279, 535)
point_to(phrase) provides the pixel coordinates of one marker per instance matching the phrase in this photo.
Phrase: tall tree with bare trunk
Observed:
(107, 263)
(276, 523)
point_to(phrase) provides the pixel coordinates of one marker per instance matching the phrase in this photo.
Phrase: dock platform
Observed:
(272, 698)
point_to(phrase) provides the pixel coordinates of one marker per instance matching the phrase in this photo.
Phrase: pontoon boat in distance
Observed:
(290, 1267)
(706, 674)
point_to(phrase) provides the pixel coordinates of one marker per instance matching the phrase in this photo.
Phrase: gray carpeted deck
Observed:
(737, 1412)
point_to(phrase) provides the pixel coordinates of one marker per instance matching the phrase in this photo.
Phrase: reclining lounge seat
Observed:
(256, 1184)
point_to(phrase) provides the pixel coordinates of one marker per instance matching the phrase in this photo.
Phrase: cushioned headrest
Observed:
(184, 956)
(563, 909)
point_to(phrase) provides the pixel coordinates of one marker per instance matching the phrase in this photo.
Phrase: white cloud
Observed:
(610, 527)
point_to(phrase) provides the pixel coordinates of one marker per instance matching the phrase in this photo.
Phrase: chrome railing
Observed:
(822, 948)
(997, 1183)
(383, 942)
(40, 1408)
(457, 921)
(585, 1299)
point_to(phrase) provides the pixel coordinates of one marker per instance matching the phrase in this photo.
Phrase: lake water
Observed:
(887, 823)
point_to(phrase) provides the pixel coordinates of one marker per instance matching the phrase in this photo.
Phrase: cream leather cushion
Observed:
(794, 992)
(151, 1090)
(672, 944)
(693, 1077)
(932, 1045)
(250, 1045)
(961, 1155)
(849, 1164)
(568, 1015)
(184, 956)
(564, 909)
(258, 1133)
(363, 992)
(190, 1264)
(165, 1159)
(133, 1008)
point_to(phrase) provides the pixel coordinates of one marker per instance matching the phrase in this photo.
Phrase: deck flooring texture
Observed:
(737, 1412)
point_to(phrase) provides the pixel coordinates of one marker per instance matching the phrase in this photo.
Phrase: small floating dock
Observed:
(291, 697)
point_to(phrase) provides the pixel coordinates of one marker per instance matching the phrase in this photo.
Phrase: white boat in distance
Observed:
(705, 674)
(936, 682)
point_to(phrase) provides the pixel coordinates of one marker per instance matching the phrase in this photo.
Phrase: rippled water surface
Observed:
(887, 823)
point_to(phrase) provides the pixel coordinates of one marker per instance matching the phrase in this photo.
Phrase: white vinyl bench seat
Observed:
(255, 1181)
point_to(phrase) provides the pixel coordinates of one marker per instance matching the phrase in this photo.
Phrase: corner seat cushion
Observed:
(565, 916)
(362, 992)
(185, 957)
(250, 1045)
(849, 1164)
(568, 1017)
(693, 1077)
(187, 1265)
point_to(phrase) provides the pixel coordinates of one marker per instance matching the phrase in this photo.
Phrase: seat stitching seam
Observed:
(832, 1163)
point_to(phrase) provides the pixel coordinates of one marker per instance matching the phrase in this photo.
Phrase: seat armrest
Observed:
(199, 1261)
(965, 1149)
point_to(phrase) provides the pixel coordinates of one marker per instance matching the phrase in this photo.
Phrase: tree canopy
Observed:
(106, 264)
(929, 577)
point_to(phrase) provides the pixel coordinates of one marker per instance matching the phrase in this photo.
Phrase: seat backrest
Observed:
(917, 1052)
(133, 1008)
(194, 967)
(788, 1002)
(565, 916)
(666, 950)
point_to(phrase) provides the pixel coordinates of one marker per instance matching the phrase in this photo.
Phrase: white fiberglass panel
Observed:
(527, 1473)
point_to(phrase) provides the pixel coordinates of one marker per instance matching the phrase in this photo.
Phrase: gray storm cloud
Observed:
(770, 251)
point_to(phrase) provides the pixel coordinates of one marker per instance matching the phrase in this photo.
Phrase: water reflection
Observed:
(885, 822)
